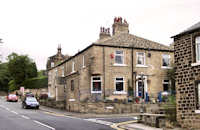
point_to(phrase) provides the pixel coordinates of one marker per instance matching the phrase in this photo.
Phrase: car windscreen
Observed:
(31, 100)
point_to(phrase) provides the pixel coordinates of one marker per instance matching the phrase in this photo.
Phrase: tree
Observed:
(171, 76)
(21, 68)
(5, 77)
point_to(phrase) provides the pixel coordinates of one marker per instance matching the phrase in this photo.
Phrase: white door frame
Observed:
(145, 85)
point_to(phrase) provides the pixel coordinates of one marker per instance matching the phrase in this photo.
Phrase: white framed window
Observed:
(96, 84)
(198, 97)
(52, 64)
(56, 72)
(197, 46)
(83, 58)
(73, 66)
(140, 58)
(119, 57)
(63, 71)
(165, 61)
(119, 85)
(166, 84)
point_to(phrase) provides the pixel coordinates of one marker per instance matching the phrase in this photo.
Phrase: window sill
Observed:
(96, 91)
(119, 92)
(166, 67)
(142, 66)
(73, 72)
(197, 111)
(195, 64)
(119, 64)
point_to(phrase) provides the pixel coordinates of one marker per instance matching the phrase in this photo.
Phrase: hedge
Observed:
(36, 83)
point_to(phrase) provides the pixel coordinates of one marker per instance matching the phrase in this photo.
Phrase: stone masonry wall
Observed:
(185, 82)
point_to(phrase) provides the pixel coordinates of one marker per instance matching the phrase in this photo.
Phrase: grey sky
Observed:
(36, 27)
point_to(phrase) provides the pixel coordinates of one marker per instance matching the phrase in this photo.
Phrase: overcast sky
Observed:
(36, 27)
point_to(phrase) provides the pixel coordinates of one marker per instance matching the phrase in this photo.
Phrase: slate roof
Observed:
(129, 40)
(190, 29)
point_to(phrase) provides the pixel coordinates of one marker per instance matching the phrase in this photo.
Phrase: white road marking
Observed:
(44, 125)
(72, 117)
(100, 122)
(8, 109)
(25, 117)
(14, 112)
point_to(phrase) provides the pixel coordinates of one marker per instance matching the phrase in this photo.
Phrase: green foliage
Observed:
(36, 83)
(5, 77)
(21, 68)
(170, 109)
(171, 76)
(12, 85)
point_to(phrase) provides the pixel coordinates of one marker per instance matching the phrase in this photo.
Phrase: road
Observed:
(13, 116)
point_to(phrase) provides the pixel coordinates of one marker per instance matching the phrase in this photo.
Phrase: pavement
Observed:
(127, 124)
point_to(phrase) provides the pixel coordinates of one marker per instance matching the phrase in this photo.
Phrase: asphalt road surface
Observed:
(14, 117)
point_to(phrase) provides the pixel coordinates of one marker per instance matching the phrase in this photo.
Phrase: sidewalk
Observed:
(85, 115)
(138, 126)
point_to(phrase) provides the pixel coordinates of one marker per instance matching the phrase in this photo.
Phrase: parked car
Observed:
(30, 102)
(12, 98)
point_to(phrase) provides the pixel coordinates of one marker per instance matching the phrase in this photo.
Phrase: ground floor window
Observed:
(96, 84)
(165, 85)
(198, 95)
(119, 84)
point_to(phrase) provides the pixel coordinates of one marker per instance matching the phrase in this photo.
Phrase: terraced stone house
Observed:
(117, 66)
(187, 61)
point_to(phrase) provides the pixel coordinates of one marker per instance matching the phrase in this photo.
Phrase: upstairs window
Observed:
(119, 57)
(140, 58)
(72, 85)
(63, 71)
(83, 61)
(73, 67)
(52, 64)
(96, 84)
(119, 84)
(197, 44)
(165, 60)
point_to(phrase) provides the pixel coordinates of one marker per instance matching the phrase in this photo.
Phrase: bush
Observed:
(36, 83)
(44, 96)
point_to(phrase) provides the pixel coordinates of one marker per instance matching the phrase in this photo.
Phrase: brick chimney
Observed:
(104, 33)
(120, 26)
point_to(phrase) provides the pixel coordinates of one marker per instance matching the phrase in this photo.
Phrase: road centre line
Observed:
(25, 117)
(44, 125)
(14, 112)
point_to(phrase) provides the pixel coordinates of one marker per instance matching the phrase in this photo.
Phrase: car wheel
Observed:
(37, 107)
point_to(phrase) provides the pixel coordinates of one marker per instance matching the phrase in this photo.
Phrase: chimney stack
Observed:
(120, 26)
(104, 33)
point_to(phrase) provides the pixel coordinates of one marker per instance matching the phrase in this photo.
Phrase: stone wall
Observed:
(186, 75)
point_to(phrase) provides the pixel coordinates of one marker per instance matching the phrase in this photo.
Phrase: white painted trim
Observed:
(166, 67)
(197, 111)
(119, 92)
(83, 58)
(92, 86)
(119, 64)
(120, 55)
(195, 64)
(140, 65)
(145, 85)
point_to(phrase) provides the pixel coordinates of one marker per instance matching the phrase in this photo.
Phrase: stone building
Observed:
(52, 74)
(187, 62)
(115, 67)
